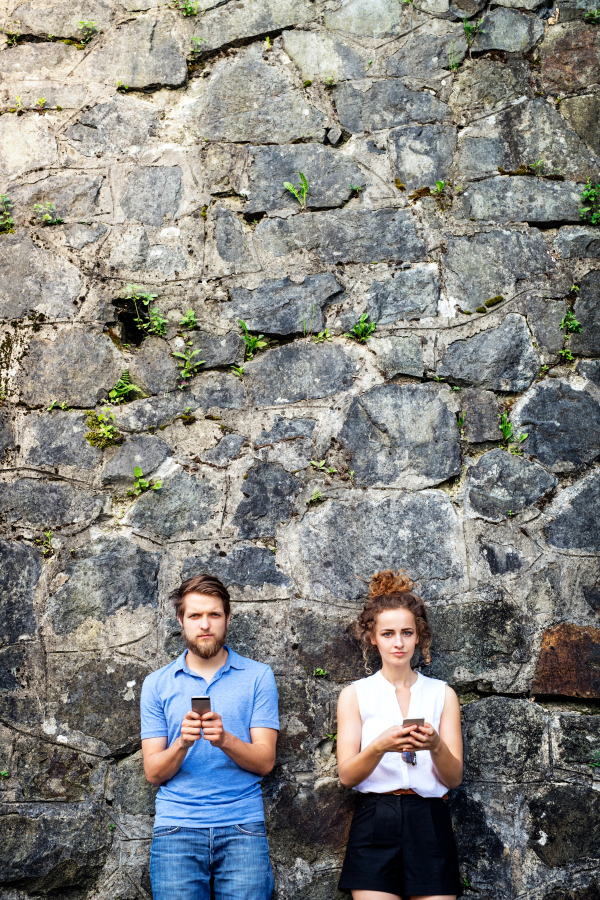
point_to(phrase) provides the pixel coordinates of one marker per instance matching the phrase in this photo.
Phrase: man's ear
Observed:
(228, 620)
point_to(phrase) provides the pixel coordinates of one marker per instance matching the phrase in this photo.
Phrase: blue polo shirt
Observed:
(210, 789)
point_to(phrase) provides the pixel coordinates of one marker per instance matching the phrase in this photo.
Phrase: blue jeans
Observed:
(183, 861)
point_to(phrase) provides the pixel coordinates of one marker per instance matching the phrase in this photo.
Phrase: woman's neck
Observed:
(401, 676)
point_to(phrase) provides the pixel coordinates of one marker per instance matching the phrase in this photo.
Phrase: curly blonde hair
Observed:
(389, 590)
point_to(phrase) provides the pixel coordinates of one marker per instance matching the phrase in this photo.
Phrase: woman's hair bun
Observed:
(390, 582)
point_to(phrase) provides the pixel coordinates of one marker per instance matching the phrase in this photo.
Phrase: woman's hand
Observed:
(396, 739)
(424, 737)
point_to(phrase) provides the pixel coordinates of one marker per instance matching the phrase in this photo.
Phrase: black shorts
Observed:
(401, 844)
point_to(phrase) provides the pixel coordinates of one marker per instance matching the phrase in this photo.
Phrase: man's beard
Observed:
(203, 648)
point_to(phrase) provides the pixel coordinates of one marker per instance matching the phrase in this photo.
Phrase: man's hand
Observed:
(212, 728)
(190, 729)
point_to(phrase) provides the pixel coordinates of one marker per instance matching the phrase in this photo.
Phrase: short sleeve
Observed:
(154, 723)
(265, 712)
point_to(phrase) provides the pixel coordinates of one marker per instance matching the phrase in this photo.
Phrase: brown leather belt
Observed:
(408, 791)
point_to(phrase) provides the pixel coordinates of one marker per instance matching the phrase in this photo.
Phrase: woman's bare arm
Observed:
(446, 747)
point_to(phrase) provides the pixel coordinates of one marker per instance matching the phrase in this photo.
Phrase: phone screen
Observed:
(201, 705)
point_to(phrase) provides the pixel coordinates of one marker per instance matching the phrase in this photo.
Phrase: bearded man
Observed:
(209, 827)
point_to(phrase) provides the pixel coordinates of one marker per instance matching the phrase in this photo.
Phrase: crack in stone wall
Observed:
(166, 159)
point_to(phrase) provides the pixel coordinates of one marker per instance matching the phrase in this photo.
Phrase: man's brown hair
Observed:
(199, 584)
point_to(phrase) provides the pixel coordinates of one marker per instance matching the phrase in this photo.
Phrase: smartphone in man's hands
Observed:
(201, 704)
(406, 722)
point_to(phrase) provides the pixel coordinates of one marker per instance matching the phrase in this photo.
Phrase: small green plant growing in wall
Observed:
(238, 370)
(472, 29)
(510, 440)
(593, 17)
(88, 30)
(569, 324)
(453, 58)
(300, 192)
(189, 320)
(121, 393)
(362, 329)
(320, 673)
(45, 543)
(187, 7)
(6, 220)
(252, 343)
(46, 213)
(317, 495)
(141, 484)
(40, 102)
(102, 433)
(188, 366)
(595, 761)
(196, 41)
(56, 405)
(155, 323)
(590, 196)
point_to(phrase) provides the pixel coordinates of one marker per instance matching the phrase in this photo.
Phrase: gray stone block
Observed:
(483, 266)
(62, 20)
(54, 846)
(245, 565)
(575, 521)
(78, 236)
(504, 740)
(298, 372)
(286, 430)
(563, 425)
(269, 494)
(227, 23)
(73, 196)
(412, 293)
(283, 306)
(321, 56)
(424, 154)
(102, 699)
(146, 452)
(152, 412)
(153, 368)
(329, 175)
(19, 575)
(379, 18)
(59, 440)
(106, 576)
(184, 503)
(501, 484)
(348, 235)
(143, 54)
(484, 85)
(583, 240)
(418, 532)
(134, 796)
(480, 411)
(6, 433)
(46, 505)
(231, 244)
(500, 359)
(522, 199)
(79, 367)
(153, 193)
(217, 349)
(249, 100)
(549, 809)
(31, 278)
(398, 355)
(510, 30)
(428, 55)
(218, 389)
(372, 105)
(114, 127)
(583, 115)
(227, 449)
(520, 135)
(587, 313)
(401, 435)
(590, 369)
(479, 644)
(544, 317)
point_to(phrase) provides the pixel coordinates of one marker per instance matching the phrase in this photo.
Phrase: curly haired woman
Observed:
(401, 843)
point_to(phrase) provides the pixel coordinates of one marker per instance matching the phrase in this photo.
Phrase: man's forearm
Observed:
(257, 758)
(159, 767)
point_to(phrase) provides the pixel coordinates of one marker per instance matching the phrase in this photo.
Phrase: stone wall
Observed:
(326, 458)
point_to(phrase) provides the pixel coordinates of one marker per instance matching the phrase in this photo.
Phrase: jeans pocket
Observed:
(256, 829)
(163, 830)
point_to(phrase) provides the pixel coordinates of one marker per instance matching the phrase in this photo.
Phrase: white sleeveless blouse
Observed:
(379, 710)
